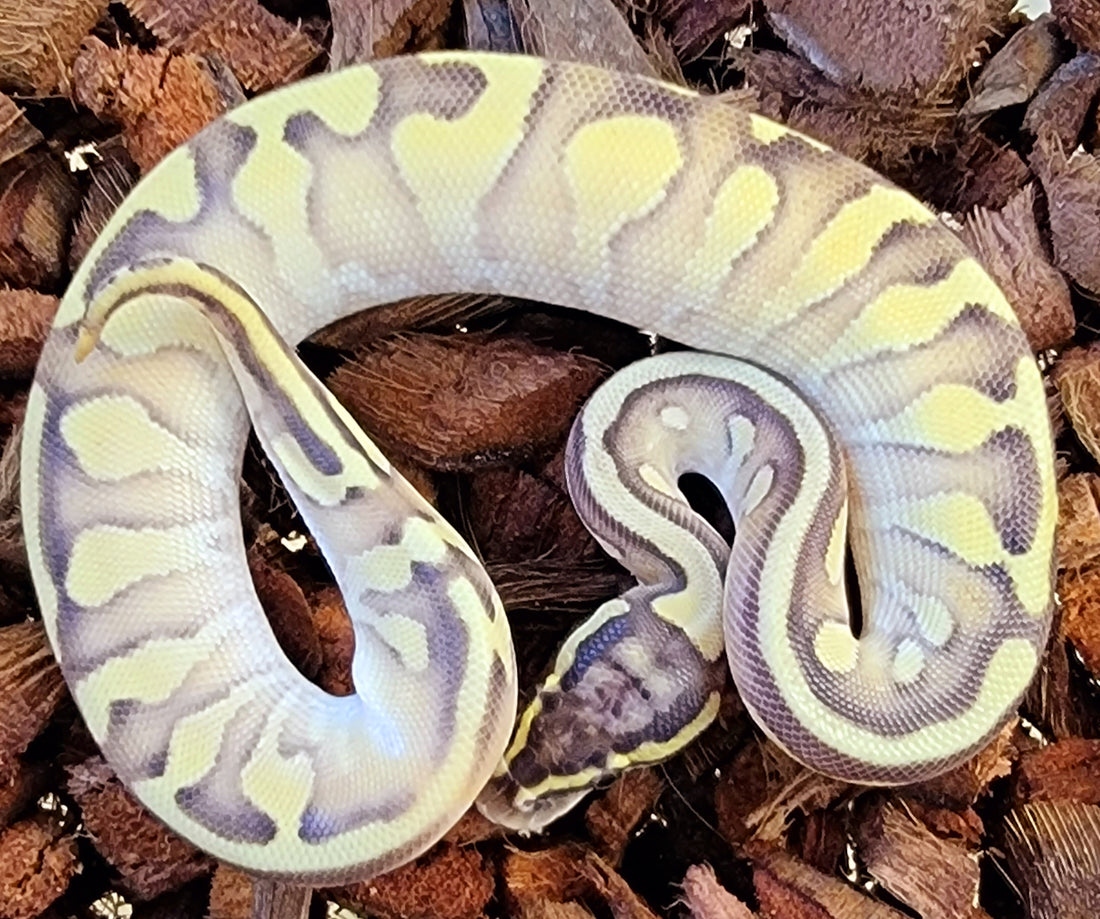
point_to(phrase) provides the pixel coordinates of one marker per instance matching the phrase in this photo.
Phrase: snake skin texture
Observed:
(867, 388)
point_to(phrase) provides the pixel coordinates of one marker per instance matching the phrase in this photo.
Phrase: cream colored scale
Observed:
(882, 397)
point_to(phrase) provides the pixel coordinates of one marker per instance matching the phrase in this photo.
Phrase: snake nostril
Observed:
(707, 501)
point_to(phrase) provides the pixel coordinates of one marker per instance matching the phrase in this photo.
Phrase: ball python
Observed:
(859, 384)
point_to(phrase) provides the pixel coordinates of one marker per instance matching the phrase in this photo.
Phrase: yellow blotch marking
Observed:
(389, 568)
(675, 417)
(384, 568)
(686, 610)
(742, 436)
(962, 523)
(462, 593)
(427, 541)
(847, 242)
(345, 101)
(934, 619)
(272, 186)
(653, 477)
(172, 191)
(1010, 670)
(956, 520)
(838, 542)
(197, 740)
(113, 437)
(106, 559)
(958, 418)
(835, 647)
(618, 169)
(908, 662)
(478, 145)
(406, 637)
(271, 190)
(744, 205)
(278, 784)
(150, 673)
(905, 315)
(765, 130)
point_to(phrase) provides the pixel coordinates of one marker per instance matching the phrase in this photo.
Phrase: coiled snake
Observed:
(885, 399)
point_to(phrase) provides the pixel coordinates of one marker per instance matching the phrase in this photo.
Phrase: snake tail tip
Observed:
(86, 340)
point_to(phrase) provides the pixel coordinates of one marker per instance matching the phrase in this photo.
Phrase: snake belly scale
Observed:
(866, 386)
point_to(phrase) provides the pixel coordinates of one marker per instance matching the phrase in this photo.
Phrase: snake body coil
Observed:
(885, 399)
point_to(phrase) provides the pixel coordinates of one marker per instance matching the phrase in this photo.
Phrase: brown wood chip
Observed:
(262, 49)
(1080, 19)
(160, 98)
(1064, 103)
(611, 819)
(447, 883)
(1067, 770)
(150, 858)
(694, 25)
(621, 899)
(936, 877)
(39, 39)
(591, 32)
(1009, 245)
(1077, 376)
(230, 894)
(466, 402)
(288, 613)
(112, 178)
(1079, 591)
(1054, 855)
(705, 898)
(17, 134)
(789, 889)
(37, 862)
(31, 690)
(1078, 532)
(515, 515)
(23, 786)
(36, 207)
(1016, 72)
(1072, 186)
(25, 317)
(363, 31)
(551, 875)
(337, 641)
(915, 50)
(847, 118)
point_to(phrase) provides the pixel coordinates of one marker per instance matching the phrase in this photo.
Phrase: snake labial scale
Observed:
(865, 385)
